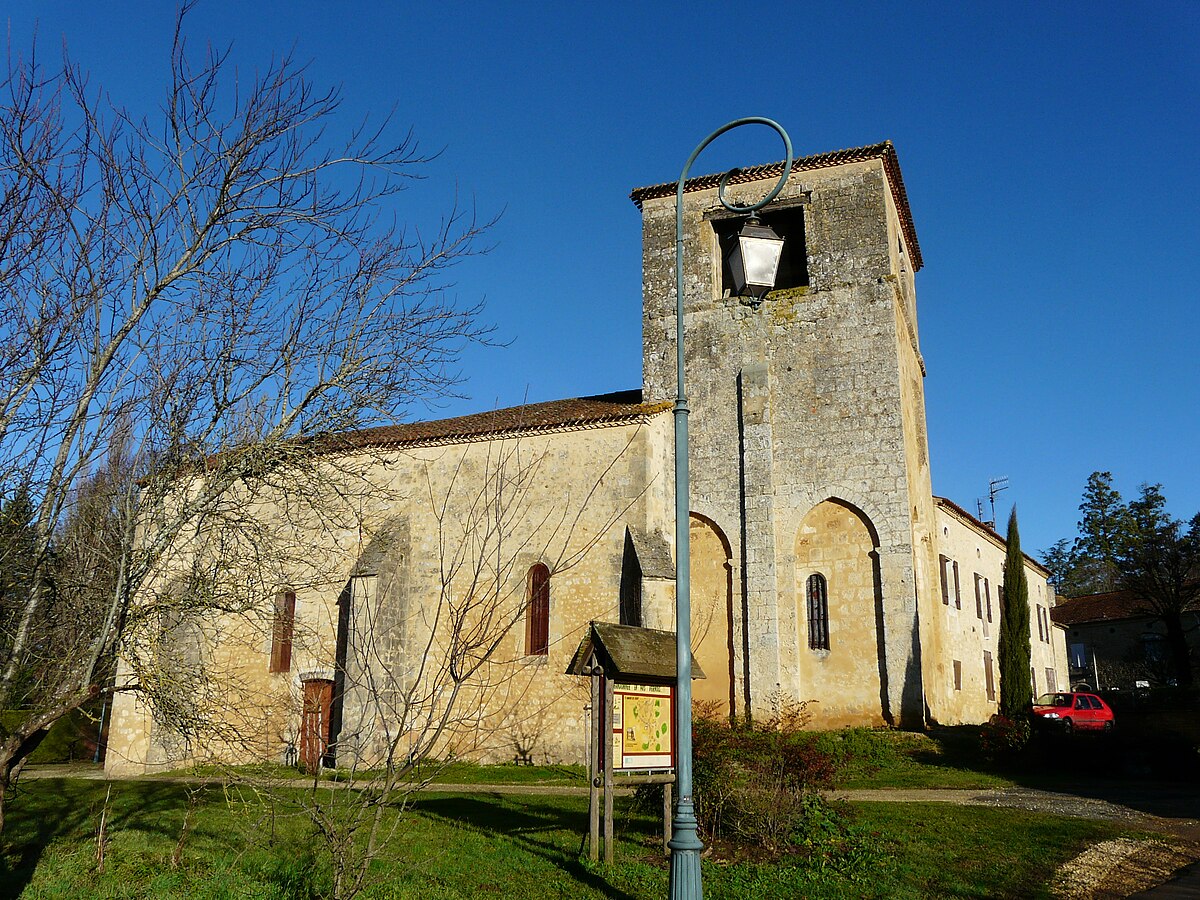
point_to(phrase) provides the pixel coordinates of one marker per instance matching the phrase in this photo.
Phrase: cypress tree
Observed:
(1016, 691)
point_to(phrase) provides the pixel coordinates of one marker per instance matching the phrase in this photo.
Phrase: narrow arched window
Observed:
(818, 613)
(537, 611)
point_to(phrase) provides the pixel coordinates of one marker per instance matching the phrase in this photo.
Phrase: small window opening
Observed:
(1078, 655)
(537, 612)
(818, 612)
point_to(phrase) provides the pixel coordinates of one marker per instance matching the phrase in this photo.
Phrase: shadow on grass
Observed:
(1140, 768)
(41, 812)
(531, 826)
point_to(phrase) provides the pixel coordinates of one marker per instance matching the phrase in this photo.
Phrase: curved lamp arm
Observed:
(732, 207)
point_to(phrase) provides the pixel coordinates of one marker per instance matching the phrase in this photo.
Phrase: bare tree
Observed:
(196, 299)
(433, 660)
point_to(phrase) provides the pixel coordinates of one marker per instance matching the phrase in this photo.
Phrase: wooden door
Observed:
(314, 729)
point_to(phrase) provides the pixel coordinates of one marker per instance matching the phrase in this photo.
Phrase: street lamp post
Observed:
(685, 844)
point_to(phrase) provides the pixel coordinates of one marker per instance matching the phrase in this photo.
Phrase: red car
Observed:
(1071, 711)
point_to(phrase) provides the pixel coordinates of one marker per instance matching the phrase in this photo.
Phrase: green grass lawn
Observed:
(487, 845)
(434, 772)
(943, 758)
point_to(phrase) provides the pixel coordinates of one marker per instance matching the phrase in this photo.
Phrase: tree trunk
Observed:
(12, 760)
(10, 768)
(13, 754)
(1177, 646)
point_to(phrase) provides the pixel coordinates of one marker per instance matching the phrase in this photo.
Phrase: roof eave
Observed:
(954, 509)
(885, 151)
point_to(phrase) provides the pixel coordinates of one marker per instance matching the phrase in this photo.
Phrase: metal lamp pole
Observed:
(685, 844)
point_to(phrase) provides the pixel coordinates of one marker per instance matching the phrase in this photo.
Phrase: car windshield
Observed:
(1053, 700)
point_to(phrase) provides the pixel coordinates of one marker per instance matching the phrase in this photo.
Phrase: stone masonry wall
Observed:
(791, 403)
(427, 525)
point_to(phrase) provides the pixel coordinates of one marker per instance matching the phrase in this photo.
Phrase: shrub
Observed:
(755, 782)
(861, 752)
(1003, 738)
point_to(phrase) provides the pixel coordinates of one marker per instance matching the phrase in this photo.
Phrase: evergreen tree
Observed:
(18, 547)
(1091, 563)
(1160, 566)
(1137, 547)
(1102, 535)
(1016, 690)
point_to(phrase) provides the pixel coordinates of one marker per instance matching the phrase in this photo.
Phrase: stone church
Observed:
(824, 569)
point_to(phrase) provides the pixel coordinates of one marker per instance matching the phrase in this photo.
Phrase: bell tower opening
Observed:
(787, 221)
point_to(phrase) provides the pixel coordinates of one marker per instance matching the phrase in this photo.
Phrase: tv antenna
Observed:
(995, 486)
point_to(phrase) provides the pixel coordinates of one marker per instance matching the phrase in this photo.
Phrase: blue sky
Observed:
(1049, 151)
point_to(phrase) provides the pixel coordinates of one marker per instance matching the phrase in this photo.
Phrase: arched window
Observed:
(818, 613)
(537, 611)
(631, 585)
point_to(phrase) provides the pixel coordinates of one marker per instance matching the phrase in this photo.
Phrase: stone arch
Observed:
(863, 505)
(839, 542)
(711, 573)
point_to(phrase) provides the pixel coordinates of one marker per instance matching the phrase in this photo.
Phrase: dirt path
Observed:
(1160, 807)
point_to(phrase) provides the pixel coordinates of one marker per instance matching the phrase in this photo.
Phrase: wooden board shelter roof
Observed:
(629, 652)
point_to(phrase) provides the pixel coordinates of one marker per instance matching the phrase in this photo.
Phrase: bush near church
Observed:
(757, 782)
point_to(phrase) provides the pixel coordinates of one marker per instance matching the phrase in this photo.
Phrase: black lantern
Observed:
(754, 262)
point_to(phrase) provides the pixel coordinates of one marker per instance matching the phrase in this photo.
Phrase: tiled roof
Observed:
(1107, 607)
(553, 415)
(885, 151)
(1098, 608)
(986, 531)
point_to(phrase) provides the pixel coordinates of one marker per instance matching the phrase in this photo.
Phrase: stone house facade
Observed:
(819, 552)
(1114, 643)
(965, 675)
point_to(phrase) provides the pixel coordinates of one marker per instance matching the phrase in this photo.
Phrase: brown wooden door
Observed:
(314, 729)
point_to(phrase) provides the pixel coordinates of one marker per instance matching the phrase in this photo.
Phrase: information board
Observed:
(643, 727)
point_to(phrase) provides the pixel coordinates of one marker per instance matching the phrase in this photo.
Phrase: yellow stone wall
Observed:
(712, 614)
(844, 681)
(450, 529)
(965, 634)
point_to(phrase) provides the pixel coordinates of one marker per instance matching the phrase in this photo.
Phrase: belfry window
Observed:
(537, 611)
(818, 612)
(788, 223)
